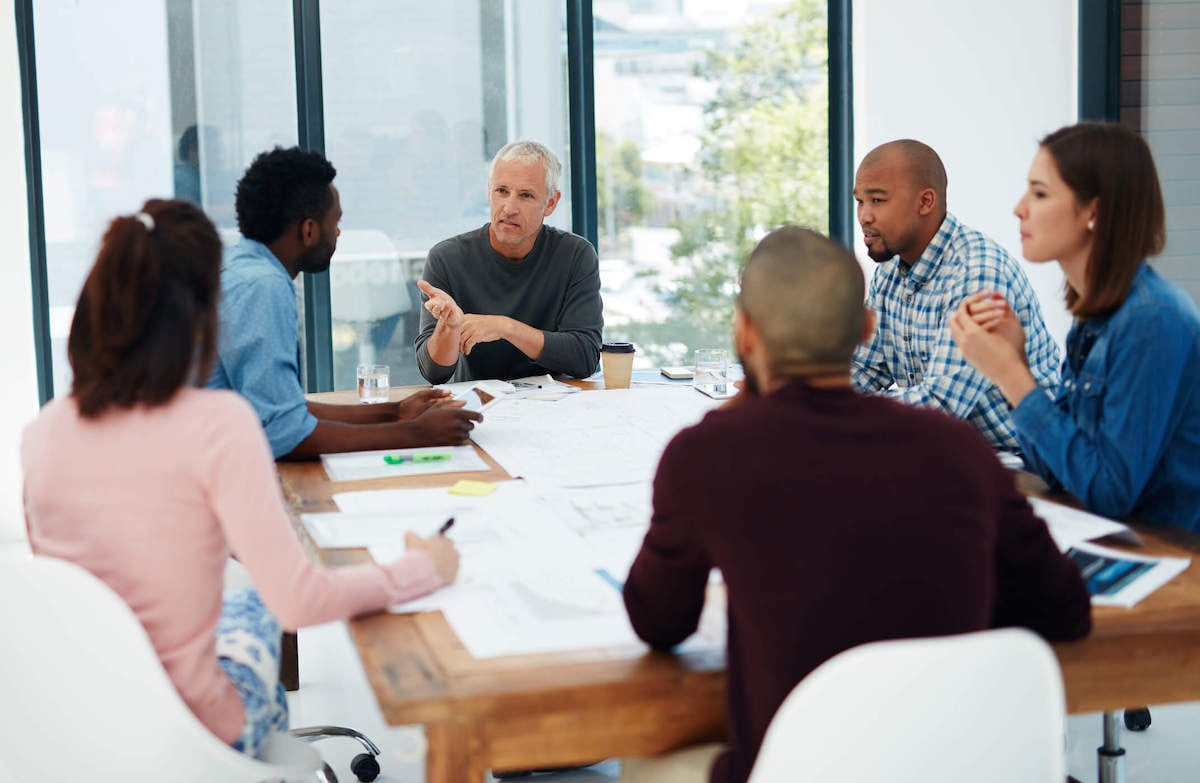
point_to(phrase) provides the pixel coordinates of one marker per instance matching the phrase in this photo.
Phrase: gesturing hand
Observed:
(441, 305)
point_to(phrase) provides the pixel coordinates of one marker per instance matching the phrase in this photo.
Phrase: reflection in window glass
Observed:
(418, 97)
(711, 129)
(176, 105)
(106, 137)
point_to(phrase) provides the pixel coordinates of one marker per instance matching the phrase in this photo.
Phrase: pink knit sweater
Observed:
(153, 501)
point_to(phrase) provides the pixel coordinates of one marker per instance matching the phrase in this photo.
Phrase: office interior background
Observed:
(712, 123)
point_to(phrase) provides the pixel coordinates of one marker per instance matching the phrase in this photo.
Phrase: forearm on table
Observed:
(331, 437)
(353, 414)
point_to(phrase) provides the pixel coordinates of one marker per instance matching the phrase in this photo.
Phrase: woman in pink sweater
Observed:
(152, 484)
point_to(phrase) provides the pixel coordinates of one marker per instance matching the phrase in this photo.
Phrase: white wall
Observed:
(18, 387)
(980, 83)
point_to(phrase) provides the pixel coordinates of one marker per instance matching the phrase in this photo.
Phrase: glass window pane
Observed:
(114, 109)
(104, 106)
(418, 97)
(711, 129)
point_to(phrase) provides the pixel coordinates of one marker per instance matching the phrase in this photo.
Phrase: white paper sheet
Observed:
(360, 465)
(1070, 526)
(593, 439)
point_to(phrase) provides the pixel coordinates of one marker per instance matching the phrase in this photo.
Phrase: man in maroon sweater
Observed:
(835, 518)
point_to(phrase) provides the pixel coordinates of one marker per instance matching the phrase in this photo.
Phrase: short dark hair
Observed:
(804, 293)
(189, 141)
(1112, 164)
(280, 187)
(146, 320)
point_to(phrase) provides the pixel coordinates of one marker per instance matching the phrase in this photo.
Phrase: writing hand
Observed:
(440, 549)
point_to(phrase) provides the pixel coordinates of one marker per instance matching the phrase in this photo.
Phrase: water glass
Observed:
(712, 372)
(372, 383)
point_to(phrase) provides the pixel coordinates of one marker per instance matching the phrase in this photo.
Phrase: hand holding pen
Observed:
(439, 548)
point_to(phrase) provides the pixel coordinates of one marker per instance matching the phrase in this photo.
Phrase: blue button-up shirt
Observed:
(259, 352)
(911, 356)
(1122, 431)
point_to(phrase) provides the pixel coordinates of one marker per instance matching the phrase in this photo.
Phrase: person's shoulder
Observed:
(934, 435)
(567, 243)
(1157, 303)
(58, 409)
(467, 243)
(222, 404)
(215, 415)
(970, 246)
(244, 268)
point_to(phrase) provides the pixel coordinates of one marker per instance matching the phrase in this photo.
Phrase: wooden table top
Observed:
(421, 673)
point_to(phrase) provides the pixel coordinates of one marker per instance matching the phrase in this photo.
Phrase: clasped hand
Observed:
(989, 334)
(473, 329)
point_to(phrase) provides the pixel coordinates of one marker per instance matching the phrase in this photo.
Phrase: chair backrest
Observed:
(986, 707)
(83, 695)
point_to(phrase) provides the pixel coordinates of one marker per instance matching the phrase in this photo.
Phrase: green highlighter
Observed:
(429, 456)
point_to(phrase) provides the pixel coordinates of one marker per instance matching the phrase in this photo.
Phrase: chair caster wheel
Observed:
(365, 767)
(1137, 718)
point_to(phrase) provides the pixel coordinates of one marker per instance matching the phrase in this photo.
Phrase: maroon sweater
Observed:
(838, 519)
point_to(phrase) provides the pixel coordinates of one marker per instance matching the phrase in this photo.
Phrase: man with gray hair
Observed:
(515, 297)
(815, 503)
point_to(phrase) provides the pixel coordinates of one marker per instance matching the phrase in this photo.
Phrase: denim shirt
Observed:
(1122, 431)
(258, 354)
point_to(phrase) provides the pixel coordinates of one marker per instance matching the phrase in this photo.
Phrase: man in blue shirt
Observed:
(928, 263)
(288, 212)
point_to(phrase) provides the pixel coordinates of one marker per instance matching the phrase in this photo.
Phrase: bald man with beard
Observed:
(928, 263)
(824, 525)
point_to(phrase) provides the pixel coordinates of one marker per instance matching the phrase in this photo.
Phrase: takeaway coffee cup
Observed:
(616, 359)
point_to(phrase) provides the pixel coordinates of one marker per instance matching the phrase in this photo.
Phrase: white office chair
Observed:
(986, 707)
(84, 697)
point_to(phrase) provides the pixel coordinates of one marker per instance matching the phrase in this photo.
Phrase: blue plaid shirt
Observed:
(912, 358)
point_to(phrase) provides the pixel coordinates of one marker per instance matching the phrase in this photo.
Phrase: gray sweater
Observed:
(555, 289)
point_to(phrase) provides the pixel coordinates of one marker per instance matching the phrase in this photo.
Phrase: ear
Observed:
(552, 203)
(868, 326)
(1092, 208)
(310, 232)
(745, 334)
(926, 201)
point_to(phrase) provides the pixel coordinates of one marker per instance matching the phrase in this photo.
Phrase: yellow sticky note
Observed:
(473, 489)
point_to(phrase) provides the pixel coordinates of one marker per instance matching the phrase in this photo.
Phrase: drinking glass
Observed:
(372, 383)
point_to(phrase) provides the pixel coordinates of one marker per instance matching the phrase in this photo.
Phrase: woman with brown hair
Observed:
(152, 484)
(1122, 430)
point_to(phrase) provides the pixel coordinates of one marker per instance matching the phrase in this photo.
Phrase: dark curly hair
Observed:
(146, 320)
(280, 187)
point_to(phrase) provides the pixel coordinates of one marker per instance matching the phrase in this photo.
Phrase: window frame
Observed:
(318, 347)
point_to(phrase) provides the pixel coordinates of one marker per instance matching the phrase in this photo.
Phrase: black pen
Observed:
(449, 523)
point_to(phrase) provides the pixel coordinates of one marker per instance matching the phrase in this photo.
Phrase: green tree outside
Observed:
(763, 163)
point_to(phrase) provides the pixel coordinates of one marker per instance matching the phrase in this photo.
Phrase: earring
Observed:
(1091, 225)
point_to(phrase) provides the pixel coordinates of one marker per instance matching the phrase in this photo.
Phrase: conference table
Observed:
(578, 707)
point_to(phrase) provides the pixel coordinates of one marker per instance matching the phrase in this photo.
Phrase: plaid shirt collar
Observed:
(926, 267)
